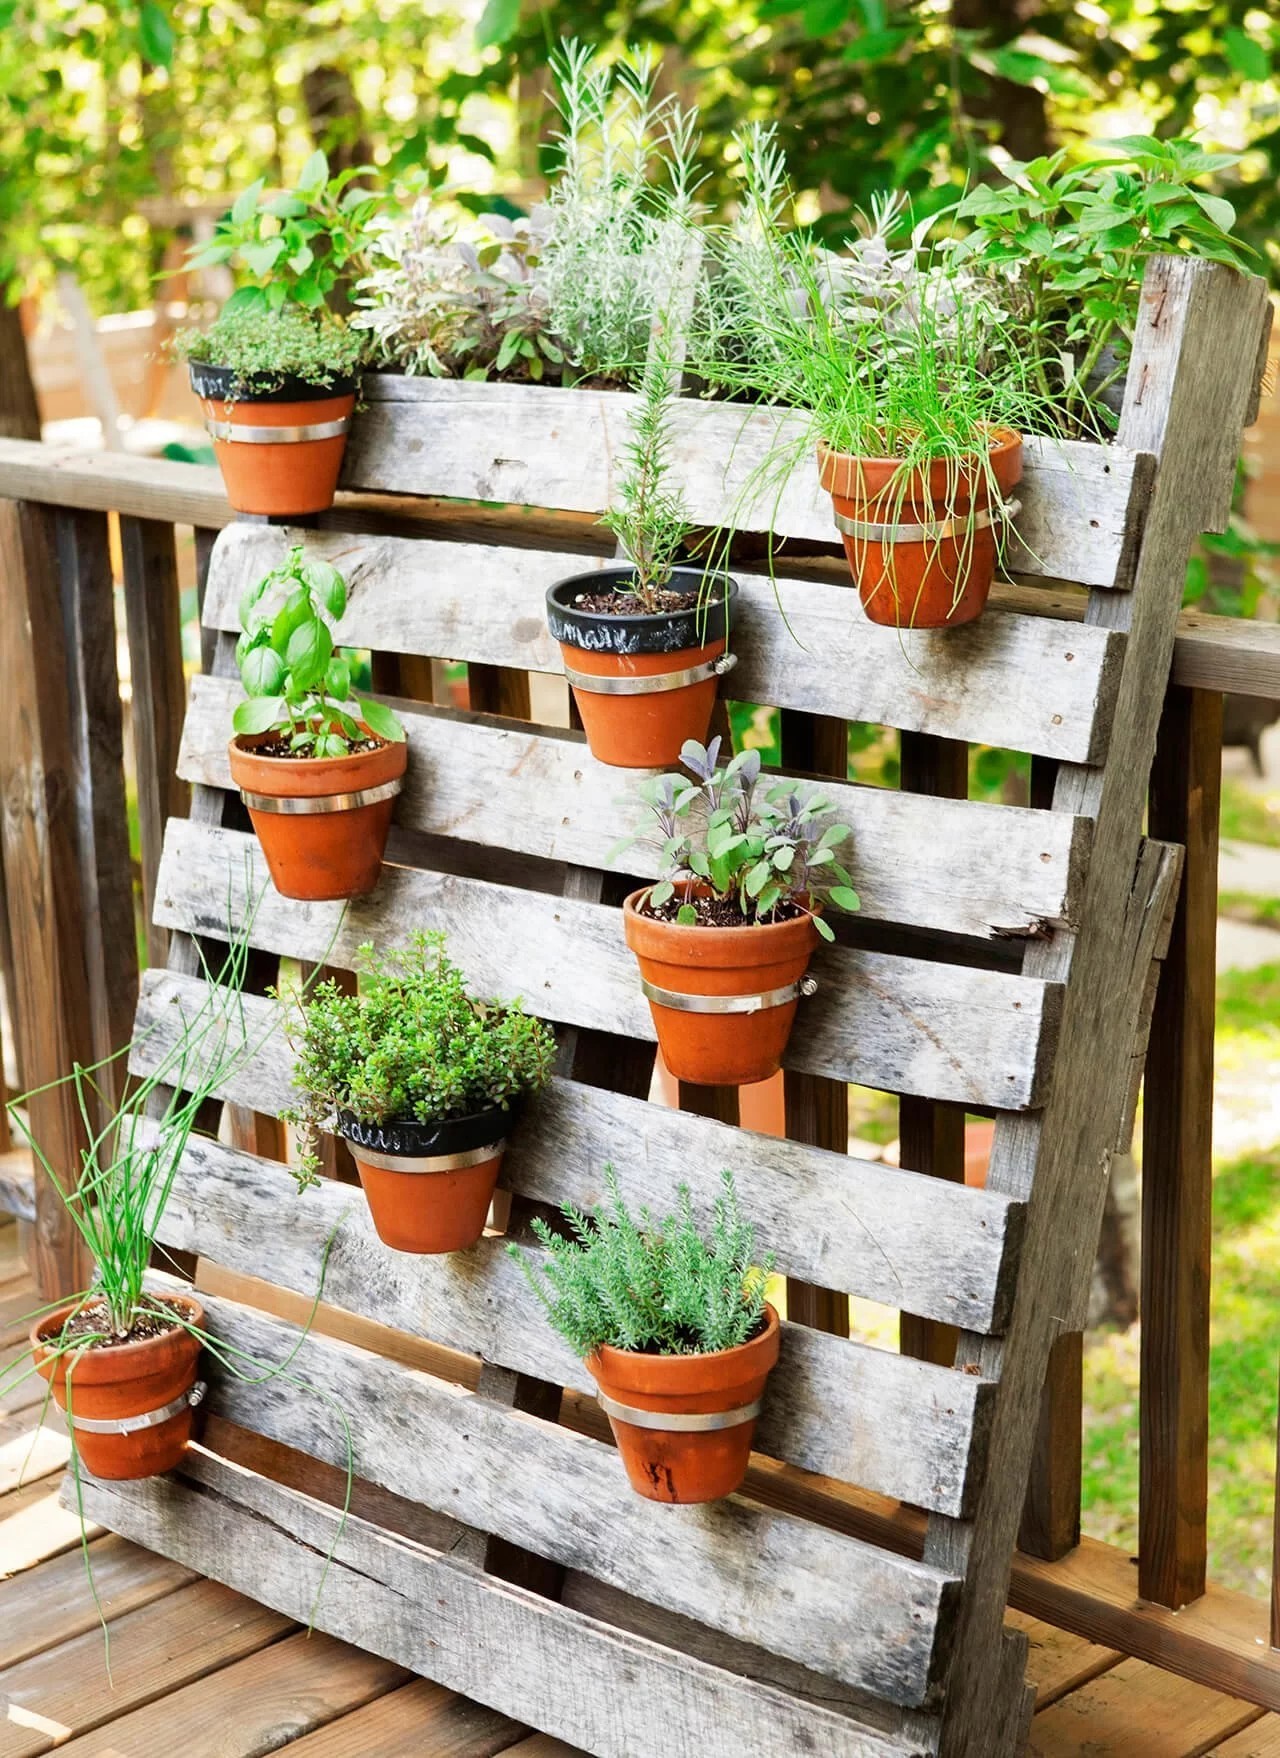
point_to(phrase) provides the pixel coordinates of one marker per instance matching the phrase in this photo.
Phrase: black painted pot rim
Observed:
(646, 631)
(412, 1139)
(215, 384)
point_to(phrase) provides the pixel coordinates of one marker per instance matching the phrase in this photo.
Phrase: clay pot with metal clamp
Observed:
(684, 1423)
(322, 821)
(429, 1185)
(643, 684)
(922, 545)
(132, 1405)
(723, 1000)
(280, 452)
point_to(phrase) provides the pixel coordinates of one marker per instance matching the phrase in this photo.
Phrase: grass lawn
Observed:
(1245, 1337)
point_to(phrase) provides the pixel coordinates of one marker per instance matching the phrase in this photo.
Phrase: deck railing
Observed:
(70, 521)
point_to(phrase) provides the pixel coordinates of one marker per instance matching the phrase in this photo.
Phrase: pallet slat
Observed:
(1025, 683)
(903, 1427)
(526, 1656)
(962, 866)
(1082, 505)
(868, 1617)
(944, 1251)
(905, 1025)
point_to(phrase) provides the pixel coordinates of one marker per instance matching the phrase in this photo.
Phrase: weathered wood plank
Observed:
(837, 1407)
(1136, 1711)
(967, 867)
(571, 1675)
(1082, 505)
(867, 1617)
(1188, 388)
(857, 1225)
(903, 1024)
(1026, 683)
(54, 1604)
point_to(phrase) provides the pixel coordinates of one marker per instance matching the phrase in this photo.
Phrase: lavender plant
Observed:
(765, 848)
(657, 1286)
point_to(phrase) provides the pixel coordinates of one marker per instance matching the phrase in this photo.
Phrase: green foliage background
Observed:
(110, 104)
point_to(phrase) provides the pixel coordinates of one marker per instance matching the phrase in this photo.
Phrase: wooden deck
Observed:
(197, 1668)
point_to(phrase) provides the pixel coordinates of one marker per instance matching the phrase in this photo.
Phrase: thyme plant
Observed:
(656, 1286)
(411, 1044)
(770, 850)
(298, 683)
(262, 349)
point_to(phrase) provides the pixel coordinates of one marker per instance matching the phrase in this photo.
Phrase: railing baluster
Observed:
(154, 618)
(1177, 1165)
(1275, 1554)
(97, 755)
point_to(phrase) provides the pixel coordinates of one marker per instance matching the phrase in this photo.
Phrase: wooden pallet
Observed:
(1003, 961)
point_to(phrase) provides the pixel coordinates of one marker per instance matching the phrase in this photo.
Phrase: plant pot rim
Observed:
(418, 1138)
(309, 775)
(709, 936)
(608, 1355)
(597, 579)
(290, 388)
(1003, 439)
(122, 1361)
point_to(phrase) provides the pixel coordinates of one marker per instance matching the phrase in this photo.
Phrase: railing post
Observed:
(1177, 1165)
(51, 998)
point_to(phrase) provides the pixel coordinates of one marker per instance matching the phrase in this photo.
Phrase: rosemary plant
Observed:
(649, 519)
(655, 1286)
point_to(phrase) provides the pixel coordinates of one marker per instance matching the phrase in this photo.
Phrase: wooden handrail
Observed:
(1211, 653)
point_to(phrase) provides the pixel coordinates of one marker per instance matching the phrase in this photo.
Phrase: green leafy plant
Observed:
(649, 519)
(655, 1286)
(1070, 243)
(765, 848)
(411, 1044)
(304, 246)
(454, 307)
(298, 683)
(261, 349)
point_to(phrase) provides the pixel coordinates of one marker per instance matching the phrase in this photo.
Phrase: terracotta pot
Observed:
(931, 582)
(319, 855)
(431, 1205)
(645, 729)
(684, 1464)
(289, 473)
(129, 1379)
(720, 1048)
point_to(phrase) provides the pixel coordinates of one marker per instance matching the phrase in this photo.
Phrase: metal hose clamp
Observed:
(679, 1421)
(655, 684)
(304, 806)
(682, 1003)
(428, 1163)
(872, 533)
(148, 1419)
(239, 434)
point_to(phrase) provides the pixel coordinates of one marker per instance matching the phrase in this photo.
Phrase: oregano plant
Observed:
(297, 681)
(771, 850)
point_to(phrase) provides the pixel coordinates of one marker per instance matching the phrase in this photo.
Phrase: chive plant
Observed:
(127, 1173)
